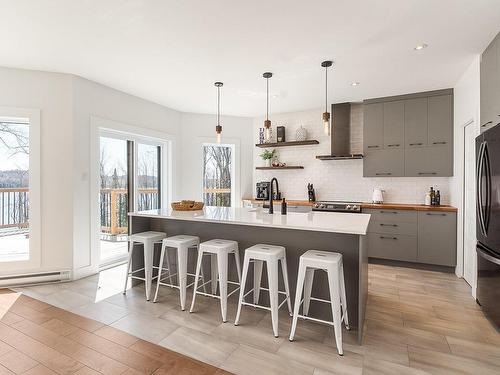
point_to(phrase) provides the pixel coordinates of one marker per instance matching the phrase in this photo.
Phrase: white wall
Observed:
(200, 128)
(467, 107)
(94, 100)
(51, 94)
(336, 179)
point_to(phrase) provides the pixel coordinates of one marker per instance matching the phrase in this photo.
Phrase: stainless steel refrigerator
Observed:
(488, 222)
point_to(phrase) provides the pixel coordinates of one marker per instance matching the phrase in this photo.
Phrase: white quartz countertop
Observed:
(334, 222)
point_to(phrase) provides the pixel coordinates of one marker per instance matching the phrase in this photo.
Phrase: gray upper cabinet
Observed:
(490, 85)
(394, 125)
(420, 125)
(373, 127)
(440, 120)
(416, 133)
(437, 238)
(384, 163)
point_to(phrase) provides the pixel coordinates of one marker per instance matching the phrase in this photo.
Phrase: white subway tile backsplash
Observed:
(336, 179)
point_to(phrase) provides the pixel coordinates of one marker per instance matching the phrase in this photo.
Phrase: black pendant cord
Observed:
(267, 98)
(326, 89)
(218, 105)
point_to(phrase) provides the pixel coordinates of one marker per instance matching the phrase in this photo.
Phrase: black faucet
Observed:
(271, 209)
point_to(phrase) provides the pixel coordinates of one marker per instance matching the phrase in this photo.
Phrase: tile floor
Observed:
(418, 322)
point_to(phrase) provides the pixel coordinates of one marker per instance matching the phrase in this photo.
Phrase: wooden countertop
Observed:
(386, 206)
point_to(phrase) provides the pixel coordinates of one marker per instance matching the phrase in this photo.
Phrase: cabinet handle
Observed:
(395, 145)
(431, 214)
(486, 123)
(389, 212)
(416, 144)
(388, 225)
(372, 146)
(439, 143)
(427, 173)
(388, 238)
(383, 174)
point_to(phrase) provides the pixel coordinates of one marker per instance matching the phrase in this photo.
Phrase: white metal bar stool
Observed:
(221, 249)
(148, 240)
(330, 262)
(182, 243)
(272, 255)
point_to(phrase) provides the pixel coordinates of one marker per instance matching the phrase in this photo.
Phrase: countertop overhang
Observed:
(346, 223)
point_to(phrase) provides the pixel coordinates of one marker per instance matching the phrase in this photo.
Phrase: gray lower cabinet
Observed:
(429, 161)
(412, 236)
(437, 238)
(384, 163)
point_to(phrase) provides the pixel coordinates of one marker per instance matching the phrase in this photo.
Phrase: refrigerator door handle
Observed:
(479, 188)
(487, 256)
(488, 188)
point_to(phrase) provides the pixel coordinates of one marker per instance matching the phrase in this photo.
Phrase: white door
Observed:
(469, 214)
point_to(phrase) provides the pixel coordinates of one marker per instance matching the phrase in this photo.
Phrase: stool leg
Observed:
(333, 283)
(272, 276)
(148, 266)
(308, 283)
(298, 296)
(222, 270)
(182, 258)
(246, 263)
(343, 298)
(284, 271)
(213, 270)
(169, 269)
(238, 264)
(160, 267)
(257, 277)
(129, 265)
(196, 277)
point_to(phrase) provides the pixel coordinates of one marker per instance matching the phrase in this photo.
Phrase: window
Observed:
(14, 190)
(218, 175)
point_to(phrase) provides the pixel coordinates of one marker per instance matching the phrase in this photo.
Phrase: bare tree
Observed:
(21, 139)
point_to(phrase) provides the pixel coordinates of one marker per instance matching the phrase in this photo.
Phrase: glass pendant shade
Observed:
(326, 123)
(218, 130)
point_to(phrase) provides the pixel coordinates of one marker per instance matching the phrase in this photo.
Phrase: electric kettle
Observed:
(378, 196)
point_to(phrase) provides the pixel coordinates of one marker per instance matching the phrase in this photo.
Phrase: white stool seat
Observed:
(181, 240)
(148, 240)
(331, 263)
(219, 251)
(217, 246)
(272, 255)
(318, 259)
(182, 243)
(265, 252)
(147, 236)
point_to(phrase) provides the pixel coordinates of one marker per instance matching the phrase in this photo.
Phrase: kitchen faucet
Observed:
(271, 209)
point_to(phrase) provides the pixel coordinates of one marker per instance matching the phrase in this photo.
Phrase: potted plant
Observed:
(268, 156)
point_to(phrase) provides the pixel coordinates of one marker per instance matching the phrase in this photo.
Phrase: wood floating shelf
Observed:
(287, 144)
(285, 167)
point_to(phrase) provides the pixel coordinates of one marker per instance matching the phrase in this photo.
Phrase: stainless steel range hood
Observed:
(341, 134)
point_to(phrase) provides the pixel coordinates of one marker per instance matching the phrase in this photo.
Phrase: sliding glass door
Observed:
(130, 169)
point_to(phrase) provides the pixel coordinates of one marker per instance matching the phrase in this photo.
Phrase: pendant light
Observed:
(218, 127)
(267, 122)
(326, 114)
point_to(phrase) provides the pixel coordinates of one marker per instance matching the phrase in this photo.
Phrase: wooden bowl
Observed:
(187, 206)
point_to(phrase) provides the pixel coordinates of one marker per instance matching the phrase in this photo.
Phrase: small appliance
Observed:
(336, 206)
(262, 190)
(378, 196)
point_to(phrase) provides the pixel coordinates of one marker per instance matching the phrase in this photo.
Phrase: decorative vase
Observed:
(267, 162)
(301, 134)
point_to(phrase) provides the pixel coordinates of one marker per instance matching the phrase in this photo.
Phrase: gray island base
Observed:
(297, 232)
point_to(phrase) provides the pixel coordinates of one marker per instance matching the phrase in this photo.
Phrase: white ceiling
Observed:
(172, 51)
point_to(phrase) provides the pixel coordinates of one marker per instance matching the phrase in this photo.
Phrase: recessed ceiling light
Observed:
(420, 47)
(355, 84)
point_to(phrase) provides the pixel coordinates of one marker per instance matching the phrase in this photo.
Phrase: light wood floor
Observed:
(418, 322)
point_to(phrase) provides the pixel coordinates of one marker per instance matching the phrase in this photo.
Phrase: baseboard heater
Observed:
(34, 278)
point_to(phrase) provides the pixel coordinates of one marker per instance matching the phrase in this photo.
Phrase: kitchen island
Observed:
(297, 232)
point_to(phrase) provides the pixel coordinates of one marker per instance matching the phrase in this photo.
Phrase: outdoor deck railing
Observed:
(114, 208)
(14, 207)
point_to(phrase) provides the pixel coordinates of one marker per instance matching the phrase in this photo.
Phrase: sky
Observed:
(8, 160)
